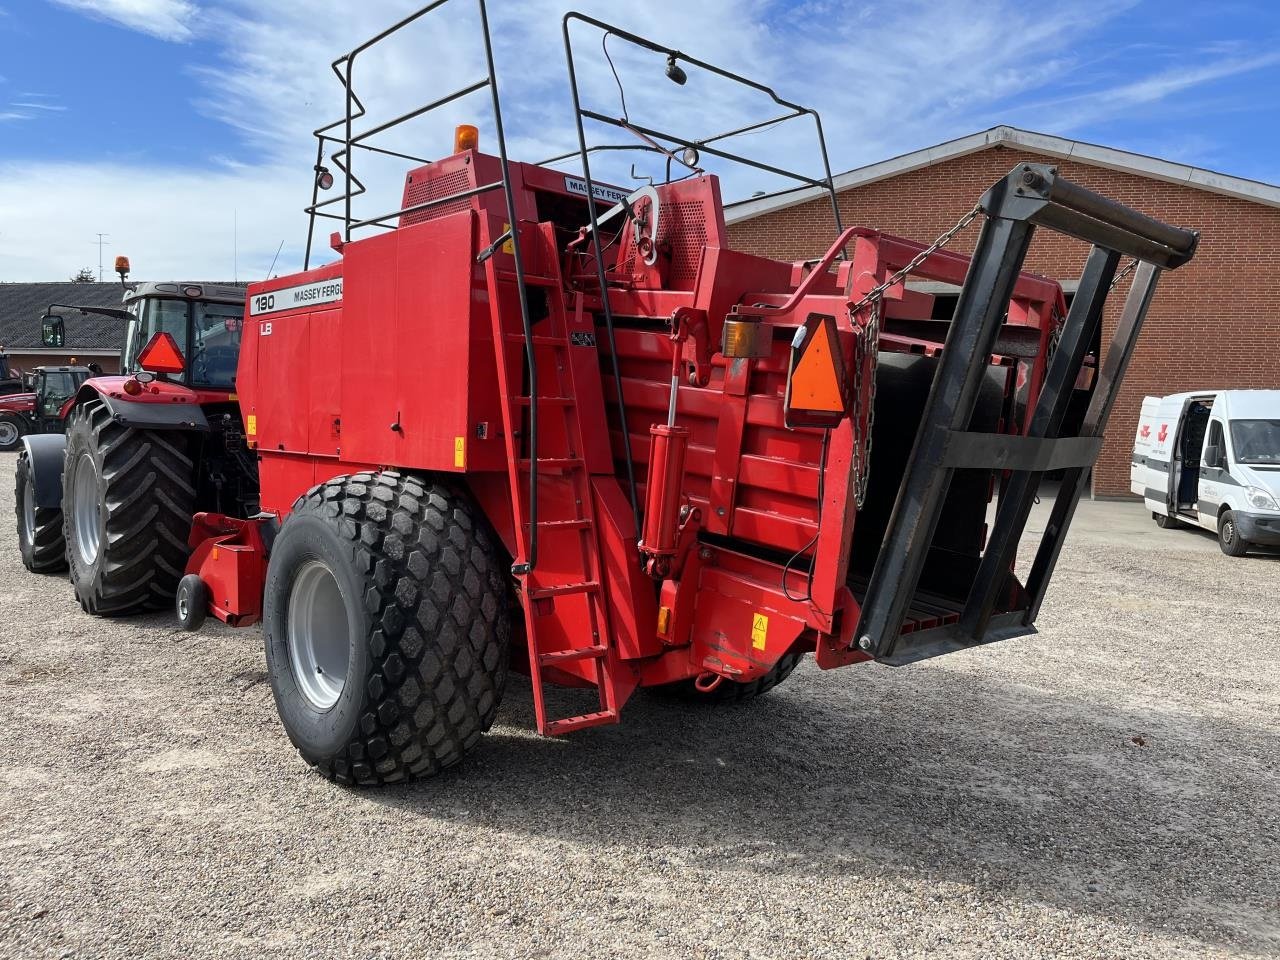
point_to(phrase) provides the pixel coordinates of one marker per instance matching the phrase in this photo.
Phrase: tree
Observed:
(85, 276)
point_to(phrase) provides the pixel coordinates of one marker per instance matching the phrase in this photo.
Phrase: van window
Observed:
(1256, 441)
(1215, 436)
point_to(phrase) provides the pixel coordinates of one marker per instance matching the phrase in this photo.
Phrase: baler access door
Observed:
(998, 605)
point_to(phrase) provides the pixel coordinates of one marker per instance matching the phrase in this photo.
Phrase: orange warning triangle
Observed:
(814, 382)
(161, 355)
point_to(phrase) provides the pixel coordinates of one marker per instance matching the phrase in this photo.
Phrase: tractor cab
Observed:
(195, 326)
(53, 387)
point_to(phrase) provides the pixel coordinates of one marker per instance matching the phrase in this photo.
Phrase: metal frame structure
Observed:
(648, 135)
(344, 69)
(1032, 196)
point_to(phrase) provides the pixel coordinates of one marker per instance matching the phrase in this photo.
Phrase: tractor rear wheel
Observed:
(11, 430)
(730, 691)
(387, 623)
(40, 539)
(127, 501)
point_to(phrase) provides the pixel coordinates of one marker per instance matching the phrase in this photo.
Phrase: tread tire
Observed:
(1229, 539)
(147, 492)
(730, 691)
(428, 599)
(41, 541)
(20, 427)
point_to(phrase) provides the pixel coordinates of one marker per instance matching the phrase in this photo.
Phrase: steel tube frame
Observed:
(1015, 206)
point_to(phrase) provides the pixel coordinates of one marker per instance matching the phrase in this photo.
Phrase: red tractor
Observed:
(112, 496)
(39, 411)
(543, 421)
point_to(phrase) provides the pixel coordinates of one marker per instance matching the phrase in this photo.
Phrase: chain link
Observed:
(1124, 273)
(869, 352)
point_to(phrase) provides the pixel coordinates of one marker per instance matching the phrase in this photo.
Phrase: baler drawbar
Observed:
(530, 418)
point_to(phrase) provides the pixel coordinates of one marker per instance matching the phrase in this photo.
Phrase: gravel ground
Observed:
(1108, 788)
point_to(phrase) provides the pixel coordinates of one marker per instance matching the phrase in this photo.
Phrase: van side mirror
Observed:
(1213, 456)
(53, 333)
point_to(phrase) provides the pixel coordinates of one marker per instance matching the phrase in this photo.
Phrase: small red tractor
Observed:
(113, 493)
(40, 410)
(543, 421)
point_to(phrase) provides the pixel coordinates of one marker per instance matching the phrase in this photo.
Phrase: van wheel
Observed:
(1229, 539)
(1166, 522)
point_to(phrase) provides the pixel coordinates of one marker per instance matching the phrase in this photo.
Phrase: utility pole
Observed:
(101, 241)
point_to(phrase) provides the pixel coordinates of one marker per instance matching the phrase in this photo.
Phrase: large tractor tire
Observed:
(12, 427)
(40, 538)
(387, 616)
(127, 501)
(730, 691)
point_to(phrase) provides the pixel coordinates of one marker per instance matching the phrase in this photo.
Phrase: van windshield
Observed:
(1256, 441)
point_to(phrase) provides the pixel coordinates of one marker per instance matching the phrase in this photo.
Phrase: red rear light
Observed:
(132, 387)
(161, 355)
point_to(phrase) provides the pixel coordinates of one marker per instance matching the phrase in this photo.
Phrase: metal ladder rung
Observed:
(568, 656)
(564, 524)
(537, 340)
(549, 401)
(563, 589)
(563, 463)
(570, 724)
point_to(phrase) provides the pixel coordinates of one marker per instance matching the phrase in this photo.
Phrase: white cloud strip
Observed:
(883, 84)
(166, 19)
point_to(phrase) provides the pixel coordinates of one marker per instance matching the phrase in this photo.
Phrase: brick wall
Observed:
(1215, 322)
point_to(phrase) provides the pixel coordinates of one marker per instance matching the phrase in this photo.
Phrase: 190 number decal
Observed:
(264, 303)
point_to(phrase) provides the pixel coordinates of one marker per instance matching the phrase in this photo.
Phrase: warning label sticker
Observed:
(759, 630)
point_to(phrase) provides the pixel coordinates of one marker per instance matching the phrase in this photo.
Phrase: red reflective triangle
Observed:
(161, 355)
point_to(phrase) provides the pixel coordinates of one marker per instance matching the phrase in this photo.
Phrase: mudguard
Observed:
(155, 416)
(44, 451)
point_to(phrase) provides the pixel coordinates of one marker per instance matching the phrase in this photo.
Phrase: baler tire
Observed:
(730, 691)
(426, 594)
(40, 538)
(11, 437)
(146, 499)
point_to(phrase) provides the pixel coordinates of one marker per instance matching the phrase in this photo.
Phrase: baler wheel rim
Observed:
(318, 633)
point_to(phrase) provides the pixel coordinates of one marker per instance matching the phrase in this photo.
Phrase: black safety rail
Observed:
(351, 141)
(651, 140)
(997, 605)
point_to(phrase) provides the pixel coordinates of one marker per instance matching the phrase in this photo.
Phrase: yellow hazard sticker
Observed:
(251, 426)
(459, 452)
(759, 630)
(509, 246)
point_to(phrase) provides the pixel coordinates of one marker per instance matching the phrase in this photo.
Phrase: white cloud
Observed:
(166, 19)
(883, 85)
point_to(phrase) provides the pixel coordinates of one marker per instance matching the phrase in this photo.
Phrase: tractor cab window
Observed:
(55, 390)
(155, 316)
(215, 348)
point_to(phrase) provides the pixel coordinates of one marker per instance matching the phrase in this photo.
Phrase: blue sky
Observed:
(180, 127)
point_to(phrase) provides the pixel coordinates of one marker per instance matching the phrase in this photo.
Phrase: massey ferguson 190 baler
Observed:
(520, 426)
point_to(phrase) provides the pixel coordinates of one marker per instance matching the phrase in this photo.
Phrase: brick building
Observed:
(1215, 323)
(90, 339)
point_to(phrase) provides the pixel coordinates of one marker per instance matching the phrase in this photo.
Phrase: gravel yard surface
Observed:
(1107, 788)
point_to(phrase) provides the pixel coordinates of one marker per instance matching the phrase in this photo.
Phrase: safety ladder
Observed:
(566, 467)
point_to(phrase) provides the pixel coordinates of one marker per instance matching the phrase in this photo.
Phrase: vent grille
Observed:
(682, 227)
(433, 188)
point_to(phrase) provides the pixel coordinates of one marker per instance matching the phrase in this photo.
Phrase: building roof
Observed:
(1042, 143)
(22, 305)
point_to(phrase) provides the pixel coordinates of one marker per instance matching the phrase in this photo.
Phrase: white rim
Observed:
(8, 433)
(87, 508)
(319, 635)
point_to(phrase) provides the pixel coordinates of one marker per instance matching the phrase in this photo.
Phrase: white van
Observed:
(1212, 459)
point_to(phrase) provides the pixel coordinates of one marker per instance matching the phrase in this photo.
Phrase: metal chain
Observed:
(1060, 319)
(1124, 273)
(869, 352)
